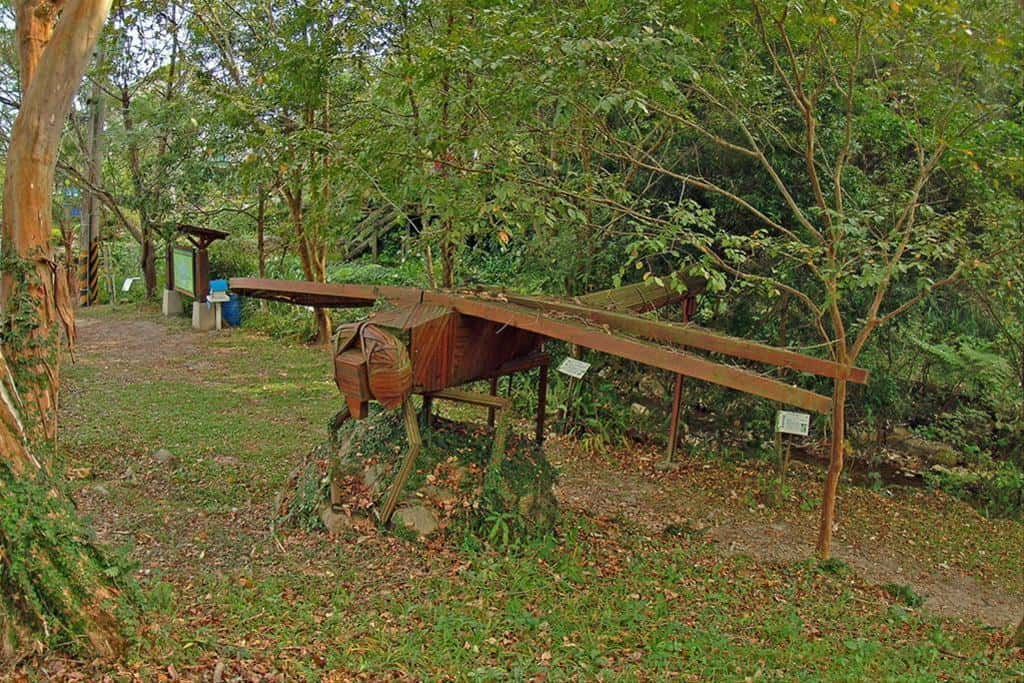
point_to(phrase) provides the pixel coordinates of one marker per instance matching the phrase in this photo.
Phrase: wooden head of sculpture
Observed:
(371, 364)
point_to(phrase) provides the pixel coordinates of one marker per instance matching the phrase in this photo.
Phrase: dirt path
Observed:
(878, 539)
(713, 502)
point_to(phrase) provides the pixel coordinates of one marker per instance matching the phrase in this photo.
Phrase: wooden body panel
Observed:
(454, 349)
(431, 347)
(599, 339)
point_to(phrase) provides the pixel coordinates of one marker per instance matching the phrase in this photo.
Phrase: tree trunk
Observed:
(447, 257)
(33, 292)
(261, 244)
(312, 257)
(147, 260)
(55, 585)
(835, 468)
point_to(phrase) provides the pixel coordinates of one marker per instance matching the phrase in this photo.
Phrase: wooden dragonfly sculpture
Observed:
(455, 337)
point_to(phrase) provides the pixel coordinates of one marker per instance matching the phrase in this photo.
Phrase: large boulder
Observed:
(456, 485)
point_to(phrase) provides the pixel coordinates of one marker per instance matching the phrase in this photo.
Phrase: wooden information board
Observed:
(184, 271)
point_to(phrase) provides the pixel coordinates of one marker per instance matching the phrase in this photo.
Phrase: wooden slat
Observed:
(692, 335)
(642, 296)
(635, 349)
(407, 317)
(325, 295)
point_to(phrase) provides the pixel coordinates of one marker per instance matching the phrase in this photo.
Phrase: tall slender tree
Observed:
(54, 582)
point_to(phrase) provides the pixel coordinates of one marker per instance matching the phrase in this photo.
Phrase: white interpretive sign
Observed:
(573, 367)
(788, 422)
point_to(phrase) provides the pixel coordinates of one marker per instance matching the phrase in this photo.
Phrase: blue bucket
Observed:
(231, 310)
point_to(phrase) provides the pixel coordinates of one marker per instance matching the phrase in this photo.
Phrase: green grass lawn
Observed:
(603, 600)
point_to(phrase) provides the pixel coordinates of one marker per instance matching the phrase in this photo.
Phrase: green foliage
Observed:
(53, 574)
(834, 566)
(904, 594)
(232, 258)
(997, 491)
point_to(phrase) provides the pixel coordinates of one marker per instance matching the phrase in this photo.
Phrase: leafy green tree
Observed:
(851, 110)
(824, 135)
(283, 78)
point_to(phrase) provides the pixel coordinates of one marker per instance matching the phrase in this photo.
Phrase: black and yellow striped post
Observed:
(94, 272)
(89, 275)
(83, 278)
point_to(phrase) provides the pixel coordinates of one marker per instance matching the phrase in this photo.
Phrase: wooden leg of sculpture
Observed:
(336, 493)
(492, 476)
(412, 431)
(427, 412)
(490, 410)
(542, 403)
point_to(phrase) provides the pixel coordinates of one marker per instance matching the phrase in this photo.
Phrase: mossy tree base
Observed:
(57, 588)
(460, 481)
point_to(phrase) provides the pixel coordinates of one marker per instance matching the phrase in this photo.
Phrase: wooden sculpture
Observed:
(458, 337)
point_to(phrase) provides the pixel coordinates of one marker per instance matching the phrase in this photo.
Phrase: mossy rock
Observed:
(454, 482)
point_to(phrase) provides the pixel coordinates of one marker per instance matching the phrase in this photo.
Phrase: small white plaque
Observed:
(789, 422)
(573, 367)
(128, 282)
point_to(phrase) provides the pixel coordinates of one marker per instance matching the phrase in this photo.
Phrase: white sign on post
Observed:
(573, 367)
(789, 422)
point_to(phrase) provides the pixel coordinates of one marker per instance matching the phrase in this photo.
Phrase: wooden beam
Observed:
(673, 425)
(325, 295)
(634, 349)
(412, 432)
(461, 396)
(688, 334)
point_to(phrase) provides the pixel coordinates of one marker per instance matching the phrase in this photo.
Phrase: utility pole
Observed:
(89, 242)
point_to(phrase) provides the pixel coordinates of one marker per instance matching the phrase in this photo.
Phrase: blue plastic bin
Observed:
(231, 310)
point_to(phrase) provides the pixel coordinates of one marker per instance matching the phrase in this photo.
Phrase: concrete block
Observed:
(173, 303)
(204, 317)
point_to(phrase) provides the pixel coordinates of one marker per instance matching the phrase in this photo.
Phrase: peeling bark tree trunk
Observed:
(835, 469)
(55, 585)
(33, 292)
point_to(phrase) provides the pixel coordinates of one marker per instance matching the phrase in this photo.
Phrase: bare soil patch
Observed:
(713, 501)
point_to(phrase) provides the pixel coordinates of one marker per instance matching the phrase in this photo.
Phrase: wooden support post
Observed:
(673, 429)
(415, 442)
(689, 307)
(169, 265)
(202, 274)
(490, 411)
(542, 402)
(425, 412)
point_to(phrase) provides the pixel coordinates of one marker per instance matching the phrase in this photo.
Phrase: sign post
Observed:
(788, 422)
(575, 369)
